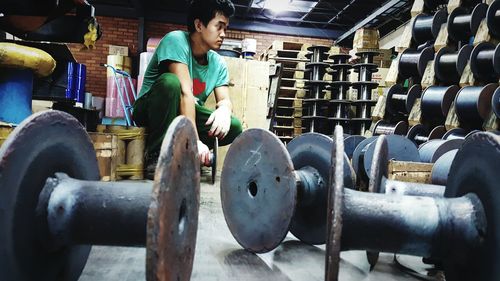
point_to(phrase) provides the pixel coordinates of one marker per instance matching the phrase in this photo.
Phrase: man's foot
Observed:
(150, 164)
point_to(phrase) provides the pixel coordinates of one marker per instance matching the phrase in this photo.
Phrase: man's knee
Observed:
(167, 85)
(236, 126)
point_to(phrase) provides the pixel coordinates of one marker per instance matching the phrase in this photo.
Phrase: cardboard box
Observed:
(118, 50)
(366, 38)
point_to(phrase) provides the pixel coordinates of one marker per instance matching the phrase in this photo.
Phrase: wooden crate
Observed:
(410, 171)
(106, 148)
(4, 133)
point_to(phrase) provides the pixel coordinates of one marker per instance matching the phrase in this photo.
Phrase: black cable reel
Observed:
(426, 27)
(54, 208)
(420, 133)
(449, 65)
(412, 63)
(435, 104)
(399, 101)
(462, 25)
(493, 18)
(473, 105)
(385, 128)
(485, 62)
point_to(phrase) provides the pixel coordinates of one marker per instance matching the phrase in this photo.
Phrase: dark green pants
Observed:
(157, 108)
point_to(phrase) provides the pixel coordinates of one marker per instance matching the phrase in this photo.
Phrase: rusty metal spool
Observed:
(412, 63)
(420, 134)
(268, 189)
(401, 149)
(436, 102)
(495, 102)
(426, 27)
(364, 87)
(54, 208)
(485, 62)
(459, 228)
(385, 128)
(431, 151)
(462, 25)
(493, 18)
(400, 101)
(473, 104)
(449, 65)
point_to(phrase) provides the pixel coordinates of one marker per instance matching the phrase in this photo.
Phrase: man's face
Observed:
(214, 33)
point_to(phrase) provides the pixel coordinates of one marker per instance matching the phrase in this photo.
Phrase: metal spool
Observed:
(449, 65)
(213, 160)
(441, 168)
(400, 101)
(317, 53)
(350, 144)
(317, 70)
(495, 102)
(267, 191)
(426, 27)
(340, 58)
(412, 63)
(485, 61)
(493, 18)
(420, 133)
(473, 104)
(433, 149)
(341, 71)
(436, 102)
(459, 228)
(461, 25)
(401, 149)
(458, 133)
(49, 221)
(384, 128)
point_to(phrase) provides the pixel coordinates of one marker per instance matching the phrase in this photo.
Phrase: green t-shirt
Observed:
(175, 46)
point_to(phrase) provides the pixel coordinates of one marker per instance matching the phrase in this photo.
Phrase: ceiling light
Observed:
(278, 6)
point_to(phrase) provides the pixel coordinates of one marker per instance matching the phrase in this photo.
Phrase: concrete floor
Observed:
(219, 257)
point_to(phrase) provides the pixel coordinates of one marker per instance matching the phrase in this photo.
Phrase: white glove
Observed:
(221, 122)
(203, 153)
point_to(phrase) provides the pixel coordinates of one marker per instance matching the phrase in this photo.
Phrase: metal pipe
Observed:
(94, 212)
(421, 226)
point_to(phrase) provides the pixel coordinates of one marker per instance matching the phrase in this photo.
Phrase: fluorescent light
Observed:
(278, 6)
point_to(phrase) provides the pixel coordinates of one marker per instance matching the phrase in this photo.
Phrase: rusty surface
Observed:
(258, 190)
(173, 214)
(335, 205)
(43, 144)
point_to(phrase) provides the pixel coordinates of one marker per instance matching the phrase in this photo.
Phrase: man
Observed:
(183, 72)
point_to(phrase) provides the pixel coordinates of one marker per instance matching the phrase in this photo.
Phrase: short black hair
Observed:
(206, 10)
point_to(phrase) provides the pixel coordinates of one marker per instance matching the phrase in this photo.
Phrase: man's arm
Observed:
(187, 107)
(187, 98)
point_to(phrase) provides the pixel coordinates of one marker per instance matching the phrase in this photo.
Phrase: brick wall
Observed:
(123, 32)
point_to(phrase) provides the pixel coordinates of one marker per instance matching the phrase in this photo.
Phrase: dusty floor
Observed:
(219, 257)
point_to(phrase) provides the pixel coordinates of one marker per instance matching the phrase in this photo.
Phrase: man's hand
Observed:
(204, 154)
(221, 122)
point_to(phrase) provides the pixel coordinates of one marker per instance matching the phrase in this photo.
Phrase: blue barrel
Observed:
(16, 90)
(70, 86)
(81, 80)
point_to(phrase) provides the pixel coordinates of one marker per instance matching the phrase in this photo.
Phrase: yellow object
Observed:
(90, 37)
(18, 56)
